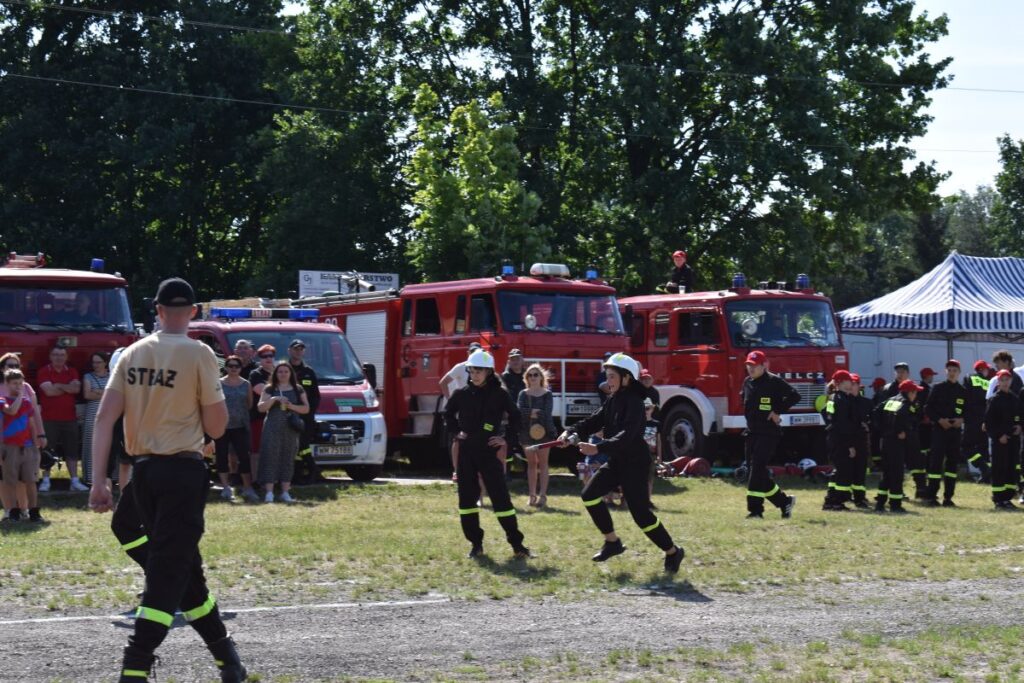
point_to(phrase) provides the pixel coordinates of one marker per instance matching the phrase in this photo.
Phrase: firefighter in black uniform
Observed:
(877, 399)
(621, 421)
(946, 408)
(862, 444)
(896, 419)
(843, 430)
(168, 388)
(917, 462)
(974, 448)
(1003, 424)
(306, 376)
(474, 415)
(681, 279)
(766, 396)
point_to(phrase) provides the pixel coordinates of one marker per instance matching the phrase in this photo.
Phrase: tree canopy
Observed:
(225, 142)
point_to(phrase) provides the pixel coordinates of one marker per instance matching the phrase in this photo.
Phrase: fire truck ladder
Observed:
(355, 297)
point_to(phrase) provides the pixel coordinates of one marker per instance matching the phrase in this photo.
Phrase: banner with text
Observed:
(316, 282)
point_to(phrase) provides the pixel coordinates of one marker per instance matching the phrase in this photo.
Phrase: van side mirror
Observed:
(370, 370)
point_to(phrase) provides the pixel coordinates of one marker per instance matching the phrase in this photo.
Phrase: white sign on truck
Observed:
(317, 282)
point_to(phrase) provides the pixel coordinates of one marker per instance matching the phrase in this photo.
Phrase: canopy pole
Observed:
(949, 348)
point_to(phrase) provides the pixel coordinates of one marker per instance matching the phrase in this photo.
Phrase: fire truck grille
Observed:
(340, 431)
(808, 393)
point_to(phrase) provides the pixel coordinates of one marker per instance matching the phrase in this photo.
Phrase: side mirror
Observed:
(148, 315)
(370, 370)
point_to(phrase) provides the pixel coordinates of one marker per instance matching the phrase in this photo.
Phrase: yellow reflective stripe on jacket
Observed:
(505, 513)
(202, 610)
(830, 407)
(893, 405)
(150, 614)
(135, 544)
(979, 382)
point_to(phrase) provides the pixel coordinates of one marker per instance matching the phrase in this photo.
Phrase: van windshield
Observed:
(58, 306)
(559, 312)
(328, 353)
(777, 323)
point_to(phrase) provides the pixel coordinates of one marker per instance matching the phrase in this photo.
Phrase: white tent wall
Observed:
(873, 356)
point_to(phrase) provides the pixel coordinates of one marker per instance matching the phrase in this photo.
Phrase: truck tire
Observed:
(364, 473)
(681, 433)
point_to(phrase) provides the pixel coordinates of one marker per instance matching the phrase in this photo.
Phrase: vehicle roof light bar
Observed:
(264, 313)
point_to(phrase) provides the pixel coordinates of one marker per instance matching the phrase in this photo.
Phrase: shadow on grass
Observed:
(22, 528)
(517, 568)
(679, 589)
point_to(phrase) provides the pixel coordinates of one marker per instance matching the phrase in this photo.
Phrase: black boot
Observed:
(608, 550)
(136, 666)
(226, 657)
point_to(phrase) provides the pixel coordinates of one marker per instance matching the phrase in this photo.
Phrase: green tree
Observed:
(471, 209)
(971, 222)
(1008, 212)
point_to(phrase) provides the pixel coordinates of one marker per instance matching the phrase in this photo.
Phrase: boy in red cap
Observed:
(843, 429)
(681, 278)
(1003, 425)
(974, 448)
(946, 408)
(897, 421)
(766, 397)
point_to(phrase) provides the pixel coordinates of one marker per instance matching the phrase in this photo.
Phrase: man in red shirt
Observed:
(59, 385)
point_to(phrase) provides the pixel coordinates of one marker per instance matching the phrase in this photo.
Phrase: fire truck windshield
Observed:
(328, 353)
(51, 306)
(559, 312)
(780, 323)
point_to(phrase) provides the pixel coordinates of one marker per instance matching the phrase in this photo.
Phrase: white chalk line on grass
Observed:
(241, 610)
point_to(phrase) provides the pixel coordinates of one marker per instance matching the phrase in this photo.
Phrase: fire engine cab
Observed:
(350, 428)
(416, 335)
(85, 311)
(694, 346)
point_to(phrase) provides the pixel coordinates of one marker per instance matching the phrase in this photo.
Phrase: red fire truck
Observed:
(351, 431)
(413, 337)
(695, 344)
(84, 311)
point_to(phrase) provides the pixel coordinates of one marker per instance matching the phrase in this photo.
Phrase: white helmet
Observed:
(480, 359)
(624, 362)
(806, 464)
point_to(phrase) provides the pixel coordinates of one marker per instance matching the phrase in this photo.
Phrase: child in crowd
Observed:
(20, 455)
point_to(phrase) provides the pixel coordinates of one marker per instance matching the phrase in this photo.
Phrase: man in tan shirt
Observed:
(168, 388)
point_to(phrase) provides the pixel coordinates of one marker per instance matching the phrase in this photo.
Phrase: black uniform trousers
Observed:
(170, 497)
(481, 462)
(840, 487)
(197, 604)
(760, 450)
(631, 472)
(1004, 474)
(917, 459)
(943, 462)
(974, 447)
(890, 488)
(859, 474)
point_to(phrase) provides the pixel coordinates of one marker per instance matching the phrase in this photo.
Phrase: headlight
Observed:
(370, 398)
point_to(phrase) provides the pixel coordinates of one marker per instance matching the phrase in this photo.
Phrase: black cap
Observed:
(474, 346)
(608, 354)
(175, 293)
(297, 342)
(901, 365)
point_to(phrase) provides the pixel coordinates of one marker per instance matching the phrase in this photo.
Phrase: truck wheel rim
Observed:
(681, 439)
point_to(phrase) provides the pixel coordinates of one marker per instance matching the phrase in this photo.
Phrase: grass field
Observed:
(387, 541)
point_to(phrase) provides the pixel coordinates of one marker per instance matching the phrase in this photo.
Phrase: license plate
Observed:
(804, 420)
(341, 449)
(581, 409)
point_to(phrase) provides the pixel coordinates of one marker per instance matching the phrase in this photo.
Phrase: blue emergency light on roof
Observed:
(264, 313)
(739, 281)
(803, 281)
(507, 268)
(97, 265)
(591, 273)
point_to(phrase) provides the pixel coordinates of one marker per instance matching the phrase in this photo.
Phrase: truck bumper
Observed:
(733, 422)
(350, 439)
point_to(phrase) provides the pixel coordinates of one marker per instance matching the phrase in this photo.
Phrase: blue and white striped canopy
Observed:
(962, 296)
